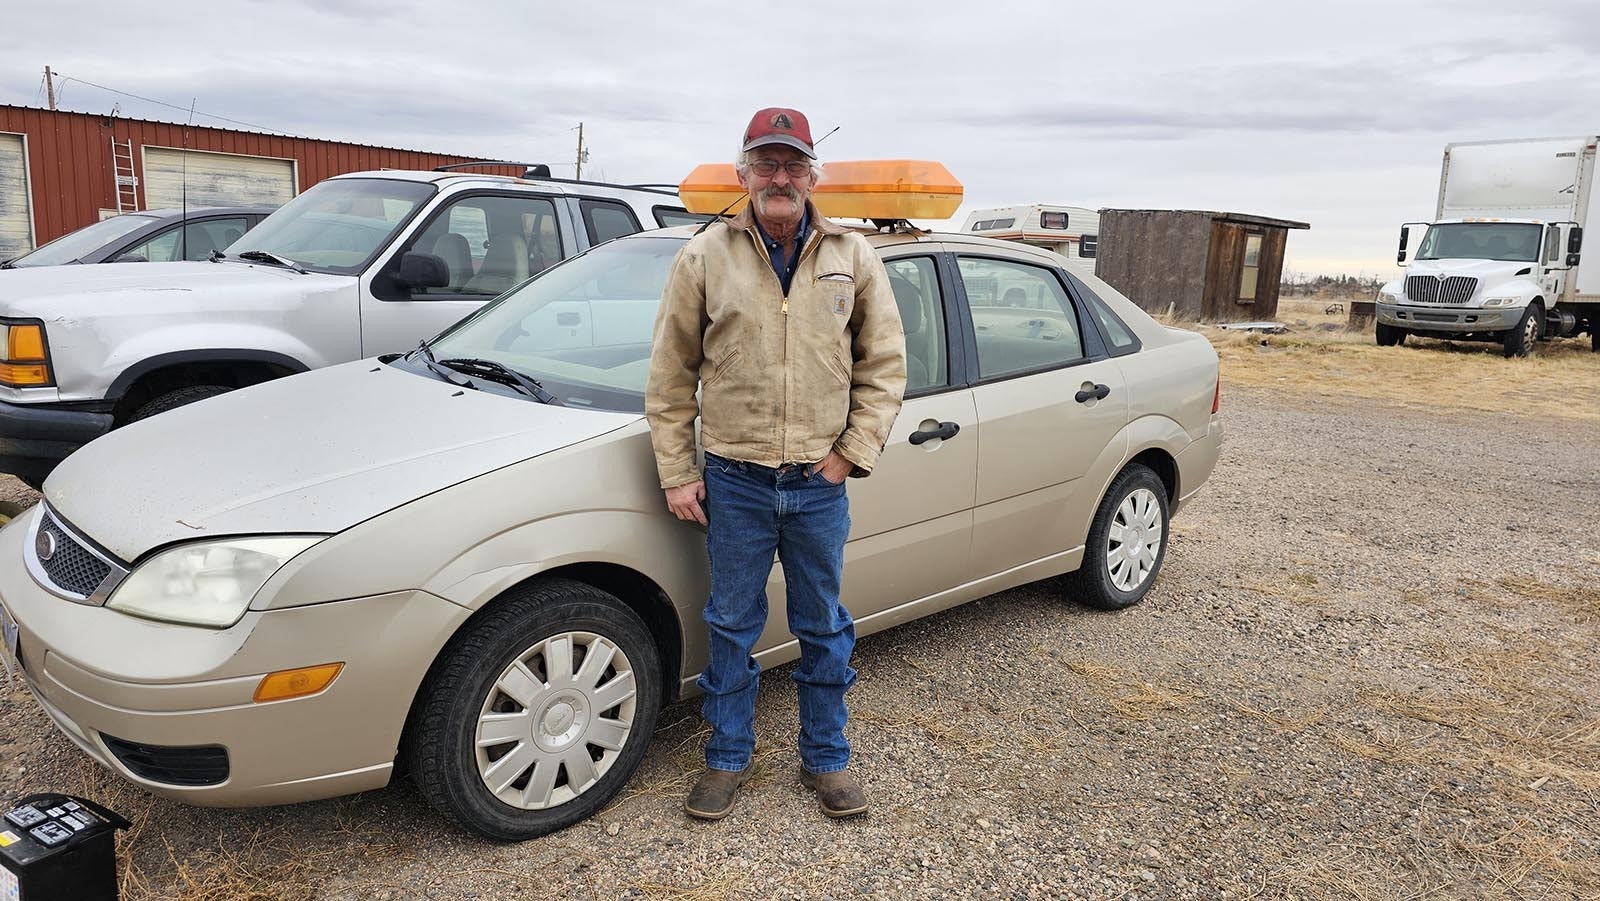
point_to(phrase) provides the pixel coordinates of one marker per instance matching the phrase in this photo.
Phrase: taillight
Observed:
(1216, 398)
(23, 360)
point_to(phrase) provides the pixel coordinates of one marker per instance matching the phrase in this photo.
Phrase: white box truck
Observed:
(1501, 259)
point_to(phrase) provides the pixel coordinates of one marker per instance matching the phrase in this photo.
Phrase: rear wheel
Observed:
(1389, 335)
(1520, 341)
(176, 398)
(537, 714)
(1127, 542)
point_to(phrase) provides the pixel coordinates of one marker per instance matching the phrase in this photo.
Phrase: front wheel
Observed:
(179, 397)
(1520, 341)
(1127, 542)
(537, 714)
(1389, 335)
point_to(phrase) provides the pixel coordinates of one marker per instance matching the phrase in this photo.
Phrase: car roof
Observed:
(878, 239)
(558, 185)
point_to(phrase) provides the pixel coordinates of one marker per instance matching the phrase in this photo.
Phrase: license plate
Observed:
(9, 654)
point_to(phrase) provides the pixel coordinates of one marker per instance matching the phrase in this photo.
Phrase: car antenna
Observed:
(183, 211)
(707, 224)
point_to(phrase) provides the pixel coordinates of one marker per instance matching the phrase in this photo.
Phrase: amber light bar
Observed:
(849, 189)
(26, 363)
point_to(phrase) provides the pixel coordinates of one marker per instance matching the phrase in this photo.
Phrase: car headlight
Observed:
(1502, 302)
(1386, 297)
(208, 583)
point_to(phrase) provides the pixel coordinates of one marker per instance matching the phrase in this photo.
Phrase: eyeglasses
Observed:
(769, 168)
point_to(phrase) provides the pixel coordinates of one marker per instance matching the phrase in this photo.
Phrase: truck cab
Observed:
(358, 265)
(1501, 262)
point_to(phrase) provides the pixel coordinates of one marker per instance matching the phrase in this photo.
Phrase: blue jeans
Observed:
(753, 512)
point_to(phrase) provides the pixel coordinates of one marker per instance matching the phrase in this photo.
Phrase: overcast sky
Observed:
(1330, 113)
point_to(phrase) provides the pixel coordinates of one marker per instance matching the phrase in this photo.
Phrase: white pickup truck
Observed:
(358, 265)
(1501, 259)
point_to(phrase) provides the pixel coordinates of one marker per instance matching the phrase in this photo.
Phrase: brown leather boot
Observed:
(712, 797)
(839, 793)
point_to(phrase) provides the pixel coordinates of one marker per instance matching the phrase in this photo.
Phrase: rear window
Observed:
(1120, 339)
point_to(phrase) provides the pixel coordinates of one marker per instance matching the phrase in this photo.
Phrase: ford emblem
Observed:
(44, 546)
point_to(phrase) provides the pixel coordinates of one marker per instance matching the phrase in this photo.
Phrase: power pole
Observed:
(582, 154)
(50, 86)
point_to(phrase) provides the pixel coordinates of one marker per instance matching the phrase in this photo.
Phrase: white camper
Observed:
(1500, 260)
(1071, 231)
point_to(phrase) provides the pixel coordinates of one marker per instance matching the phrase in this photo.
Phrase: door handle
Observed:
(944, 430)
(1098, 392)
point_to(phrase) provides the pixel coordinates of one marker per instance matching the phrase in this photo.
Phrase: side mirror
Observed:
(423, 270)
(1575, 242)
(130, 258)
(1572, 260)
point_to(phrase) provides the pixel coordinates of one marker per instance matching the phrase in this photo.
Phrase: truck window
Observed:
(606, 219)
(491, 242)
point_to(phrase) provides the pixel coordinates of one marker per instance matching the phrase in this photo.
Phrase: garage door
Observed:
(16, 222)
(215, 179)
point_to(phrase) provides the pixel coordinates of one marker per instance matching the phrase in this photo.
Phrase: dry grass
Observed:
(1562, 380)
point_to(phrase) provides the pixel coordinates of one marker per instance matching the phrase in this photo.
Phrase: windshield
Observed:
(74, 246)
(1510, 241)
(339, 225)
(583, 328)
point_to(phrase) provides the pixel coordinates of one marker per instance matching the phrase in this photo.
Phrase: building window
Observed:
(1248, 276)
(1053, 220)
(1088, 245)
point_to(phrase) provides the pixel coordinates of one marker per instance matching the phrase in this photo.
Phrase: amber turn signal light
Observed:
(296, 683)
(24, 365)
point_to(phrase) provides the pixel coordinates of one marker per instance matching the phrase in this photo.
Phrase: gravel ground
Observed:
(1367, 672)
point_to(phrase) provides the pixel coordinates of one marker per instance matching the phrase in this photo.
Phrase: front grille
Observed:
(72, 567)
(1456, 289)
(197, 765)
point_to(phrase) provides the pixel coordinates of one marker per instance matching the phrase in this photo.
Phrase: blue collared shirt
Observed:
(781, 267)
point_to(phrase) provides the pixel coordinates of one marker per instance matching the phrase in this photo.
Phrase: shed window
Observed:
(1088, 245)
(1248, 275)
(1053, 220)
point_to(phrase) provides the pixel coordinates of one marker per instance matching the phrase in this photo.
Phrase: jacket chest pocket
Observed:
(836, 293)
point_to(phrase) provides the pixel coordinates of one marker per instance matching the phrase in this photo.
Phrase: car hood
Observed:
(312, 453)
(52, 291)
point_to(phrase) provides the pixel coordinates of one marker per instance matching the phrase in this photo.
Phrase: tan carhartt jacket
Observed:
(781, 379)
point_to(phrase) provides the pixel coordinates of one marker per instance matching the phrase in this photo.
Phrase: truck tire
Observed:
(1390, 335)
(1594, 338)
(176, 398)
(1520, 341)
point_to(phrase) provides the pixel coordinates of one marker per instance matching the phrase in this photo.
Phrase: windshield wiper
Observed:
(261, 256)
(505, 375)
(429, 361)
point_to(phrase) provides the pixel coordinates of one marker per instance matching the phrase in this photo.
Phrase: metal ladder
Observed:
(127, 181)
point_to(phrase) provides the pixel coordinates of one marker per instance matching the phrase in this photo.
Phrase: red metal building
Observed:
(60, 171)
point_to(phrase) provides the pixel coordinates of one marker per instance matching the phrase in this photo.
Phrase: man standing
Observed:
(786, 324)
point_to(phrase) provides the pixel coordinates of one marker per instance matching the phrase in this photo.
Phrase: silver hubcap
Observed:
(555, 720)
(1134, 540)
(1530, 335)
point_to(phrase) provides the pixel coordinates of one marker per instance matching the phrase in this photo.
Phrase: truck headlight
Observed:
(1502, 302)
(208, 583)
(1386, 297)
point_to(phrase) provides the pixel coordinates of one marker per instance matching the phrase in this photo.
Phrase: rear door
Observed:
(1050, 403)
(911, 520)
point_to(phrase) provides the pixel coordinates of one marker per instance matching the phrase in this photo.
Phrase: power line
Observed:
(185, 109)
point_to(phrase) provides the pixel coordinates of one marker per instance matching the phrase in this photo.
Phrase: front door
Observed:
(911, 520)
(489, 244)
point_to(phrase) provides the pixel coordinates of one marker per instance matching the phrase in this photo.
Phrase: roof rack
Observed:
(541, 171)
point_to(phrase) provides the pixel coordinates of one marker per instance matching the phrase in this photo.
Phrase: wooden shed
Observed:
(1200, 265)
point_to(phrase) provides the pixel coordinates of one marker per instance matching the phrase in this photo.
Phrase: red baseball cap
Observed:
(777, 125)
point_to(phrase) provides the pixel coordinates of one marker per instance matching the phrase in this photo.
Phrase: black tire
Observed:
(1594, 336)
(176, 398)
(441, 750)
(1520, 341)
(1091, 584)
(1390, 335)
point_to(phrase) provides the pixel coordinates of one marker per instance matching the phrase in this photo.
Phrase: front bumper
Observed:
(35, 437)
(112, 681)
(1462, 320)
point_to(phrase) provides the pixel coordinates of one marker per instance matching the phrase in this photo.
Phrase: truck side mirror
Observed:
(1404, 234)
(422, 270)
(1575, 242)
(1572, 260)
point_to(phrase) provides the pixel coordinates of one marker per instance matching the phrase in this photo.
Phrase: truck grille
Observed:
(1456, 289)
(71, 568)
